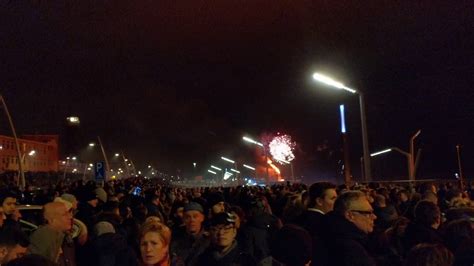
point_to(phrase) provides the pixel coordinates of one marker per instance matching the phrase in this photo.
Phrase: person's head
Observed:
(103, 227)
(155, 239)
(428, 214)
(111, 207)
(90, 197)
(457, 233)
(379, 201)
(193, 217)
(8, 202)
(429, 255)
(70, 198)
(2, 217)
(58, 216)
(354, 206)
(402, 195)
(292, 246)
(223, 230)
(430, 196)
(239, 215)
(216, 203)
(322, 196)
(13, 245)
(428, 186)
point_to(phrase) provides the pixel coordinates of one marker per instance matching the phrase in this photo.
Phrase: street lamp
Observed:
(21, 180)
(264, 152)
(365, 141)
(411, 159)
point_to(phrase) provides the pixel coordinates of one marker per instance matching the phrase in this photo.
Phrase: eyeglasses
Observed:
(224, 229)
(367, 213)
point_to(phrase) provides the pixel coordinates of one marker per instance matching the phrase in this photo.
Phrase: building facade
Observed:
(39, 153)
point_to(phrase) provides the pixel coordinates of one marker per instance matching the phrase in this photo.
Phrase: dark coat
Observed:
(235, 257)
(187, 247)
(347, 245)
(417, 233)
(111, 249)
(313, 222)
(257, 234)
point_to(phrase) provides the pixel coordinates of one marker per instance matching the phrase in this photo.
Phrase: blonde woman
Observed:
(155, 240)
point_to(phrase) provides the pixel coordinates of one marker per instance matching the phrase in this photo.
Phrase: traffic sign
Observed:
(99, 171)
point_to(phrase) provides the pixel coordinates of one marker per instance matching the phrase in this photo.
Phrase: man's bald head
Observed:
(58, 215)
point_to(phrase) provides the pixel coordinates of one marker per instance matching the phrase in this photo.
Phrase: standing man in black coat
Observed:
(347, 228)
(322, 196)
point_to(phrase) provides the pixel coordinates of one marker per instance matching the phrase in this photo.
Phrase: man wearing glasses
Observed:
(348, 227)
(224, 249)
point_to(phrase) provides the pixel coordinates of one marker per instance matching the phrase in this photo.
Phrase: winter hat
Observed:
(214, 198)
(87, 195)
(101, 194)
(69, 197)
(67, 203)
(292, 246)
(223, 218)
(101, 228)
(193, 206)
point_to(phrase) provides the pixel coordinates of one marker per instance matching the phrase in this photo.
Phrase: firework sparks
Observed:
(281, 149)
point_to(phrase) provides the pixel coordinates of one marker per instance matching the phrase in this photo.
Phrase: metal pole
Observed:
(365, 139)
(65, 169)
(126, 164)
(17, 144)
(292, 173)
(347, 166)
(266, 164)
(362, 173)
(461, 178)
(412, 155)
(105, 156)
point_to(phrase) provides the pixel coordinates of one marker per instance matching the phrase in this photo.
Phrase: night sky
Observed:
(174, 83)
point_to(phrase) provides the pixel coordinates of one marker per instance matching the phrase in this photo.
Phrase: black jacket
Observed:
(313, 222)
(111, 249)
(235, 257)
(347, 245)
(417, 233)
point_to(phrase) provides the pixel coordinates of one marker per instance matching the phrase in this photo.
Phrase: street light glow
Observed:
(235, 171)
(228, 160)
(343, 118)
(92, 144)
(212, 172)
(331, 82)
(117, 155)
(215, 167)
(74, 158)
(252, 141)
(249, 167)
(31, 153)
(380, 152)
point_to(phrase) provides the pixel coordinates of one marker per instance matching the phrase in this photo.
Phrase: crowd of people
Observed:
(140, 222)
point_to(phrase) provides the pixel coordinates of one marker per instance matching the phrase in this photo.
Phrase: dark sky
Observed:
(173, 83)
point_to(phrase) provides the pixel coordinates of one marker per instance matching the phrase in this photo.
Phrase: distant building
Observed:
(38, 152)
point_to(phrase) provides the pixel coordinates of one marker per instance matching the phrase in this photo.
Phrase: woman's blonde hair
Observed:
(152, 226)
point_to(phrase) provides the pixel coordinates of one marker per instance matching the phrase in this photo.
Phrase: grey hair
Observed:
(344, 201)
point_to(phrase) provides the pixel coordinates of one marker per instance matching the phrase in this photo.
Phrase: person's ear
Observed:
(319, 202)
(3, 252)
(348, 215)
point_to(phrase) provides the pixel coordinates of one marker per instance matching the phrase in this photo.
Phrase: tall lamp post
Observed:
(461, 177)
(411, 158)
(365, 140)
(21, 180)
(247, 139)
